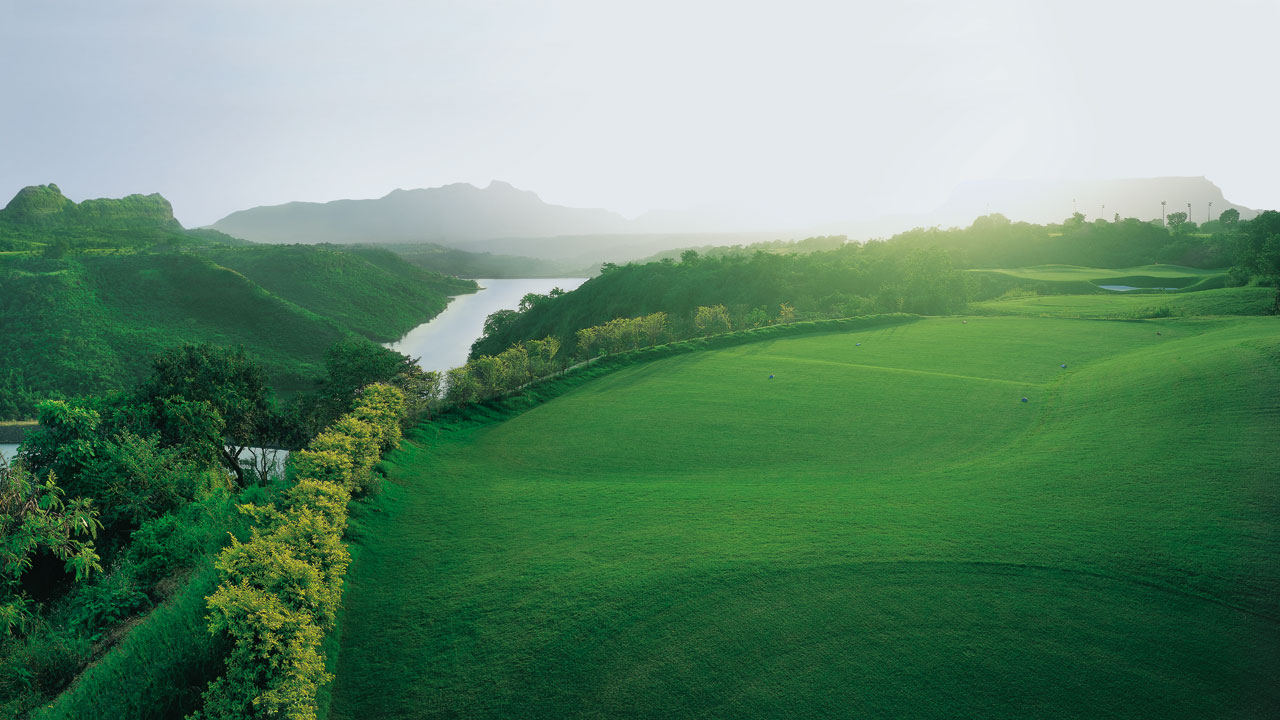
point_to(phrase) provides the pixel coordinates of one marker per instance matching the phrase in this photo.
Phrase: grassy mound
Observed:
(880, 530)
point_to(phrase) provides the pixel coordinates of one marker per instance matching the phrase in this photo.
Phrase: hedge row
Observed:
(535, 393)
(279, 592)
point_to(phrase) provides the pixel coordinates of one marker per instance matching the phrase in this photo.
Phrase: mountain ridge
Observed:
(45, 205)
(463, 215)
(457, 212)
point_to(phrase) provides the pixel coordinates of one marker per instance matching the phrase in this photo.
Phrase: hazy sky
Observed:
(800, 112)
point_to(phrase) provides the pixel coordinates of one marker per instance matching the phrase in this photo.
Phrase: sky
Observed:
(785, 112)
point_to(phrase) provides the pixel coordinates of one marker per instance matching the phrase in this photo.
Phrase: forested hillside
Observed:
(93, 291)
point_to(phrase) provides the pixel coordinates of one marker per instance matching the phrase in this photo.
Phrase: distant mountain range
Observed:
(464, 215)
(455, 213)
(1052, 201)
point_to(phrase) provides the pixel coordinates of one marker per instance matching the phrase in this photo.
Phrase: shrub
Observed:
(281, 590)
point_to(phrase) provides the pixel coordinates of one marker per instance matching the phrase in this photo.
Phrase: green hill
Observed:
(90, 291)
(41, 218)
(90, 323)
(369, 291)
(883, 529)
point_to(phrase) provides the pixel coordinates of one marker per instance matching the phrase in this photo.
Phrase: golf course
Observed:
(870, 523)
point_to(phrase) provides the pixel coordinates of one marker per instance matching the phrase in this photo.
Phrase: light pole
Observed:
(1103, 215)
(1162, 204)
(1208, 214)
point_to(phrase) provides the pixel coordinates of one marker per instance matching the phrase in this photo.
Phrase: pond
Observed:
(445, 341)
(1127, 288)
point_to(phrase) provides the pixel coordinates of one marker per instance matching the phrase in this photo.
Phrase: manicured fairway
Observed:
(1077, 272)
(1222, 301)
(881, 530)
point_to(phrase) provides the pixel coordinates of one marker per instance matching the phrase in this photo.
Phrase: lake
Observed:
(1127, 288)
(445, 341)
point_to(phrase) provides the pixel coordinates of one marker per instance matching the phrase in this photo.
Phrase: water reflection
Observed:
(445, 341)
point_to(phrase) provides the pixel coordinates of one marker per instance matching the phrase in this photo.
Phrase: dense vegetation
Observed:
(40, 218)
(853, 280)
(96, 289)
(916, 272)
(864, 522)
(281, 591)
(117, 505)
(149, 495)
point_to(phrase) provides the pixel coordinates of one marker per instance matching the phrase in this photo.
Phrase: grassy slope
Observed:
(159, 669)
(1076, 272)
(92, 322)
(382, 296)
(1222, 301)
(880, 531)
(1075, 279)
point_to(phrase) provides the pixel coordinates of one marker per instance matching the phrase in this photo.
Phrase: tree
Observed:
(1176, 221)
(34, 518)
(421, 390)
(786, 313)
(461, 385)
(134, 479)
(69, 439)
(1229, 217)
(653, 326)
(232, 384)
(1258, 250)
(586, 341)
(712, 320)
(353, 364)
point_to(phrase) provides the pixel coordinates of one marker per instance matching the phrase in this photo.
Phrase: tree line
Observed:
(919, 271)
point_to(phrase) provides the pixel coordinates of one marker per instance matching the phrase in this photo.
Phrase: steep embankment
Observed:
(882, 529)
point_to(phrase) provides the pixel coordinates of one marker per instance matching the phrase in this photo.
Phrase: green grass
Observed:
(1075, 280)
(91, 323)
(881, 530)
(1097, 275)
(158, 670)
(1222, 301)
